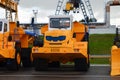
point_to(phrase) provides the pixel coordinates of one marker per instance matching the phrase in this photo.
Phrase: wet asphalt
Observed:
(66, 72)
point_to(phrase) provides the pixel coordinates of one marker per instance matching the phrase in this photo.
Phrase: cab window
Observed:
(5, 27)
(59, 22)
(0, 26)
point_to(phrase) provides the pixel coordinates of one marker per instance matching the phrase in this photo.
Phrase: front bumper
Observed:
(59, 54)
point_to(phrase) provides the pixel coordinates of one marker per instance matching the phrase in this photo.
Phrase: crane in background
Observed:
(75, 6)
(10, 7)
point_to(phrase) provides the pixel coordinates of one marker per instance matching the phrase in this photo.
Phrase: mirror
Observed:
(18, 23)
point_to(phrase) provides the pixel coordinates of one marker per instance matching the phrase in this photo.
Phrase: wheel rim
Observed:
(18, 58)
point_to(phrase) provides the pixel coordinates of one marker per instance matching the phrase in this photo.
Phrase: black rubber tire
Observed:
(41, 64)
(26, 57)
(12, 64)
(88, 61)
(55, 64)
(81, 64)
(3, 64)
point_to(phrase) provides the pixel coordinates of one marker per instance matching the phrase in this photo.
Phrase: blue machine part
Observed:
(59, 38)
(30, 33)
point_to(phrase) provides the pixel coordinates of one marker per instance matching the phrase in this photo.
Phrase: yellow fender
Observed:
(115, 61)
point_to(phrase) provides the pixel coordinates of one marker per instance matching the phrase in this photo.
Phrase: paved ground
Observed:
(63, 73)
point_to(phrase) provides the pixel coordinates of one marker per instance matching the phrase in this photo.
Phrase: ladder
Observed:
(83, 10)
(87, 3)
(60, 2)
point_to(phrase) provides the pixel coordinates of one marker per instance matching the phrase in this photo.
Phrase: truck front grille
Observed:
(55, 39)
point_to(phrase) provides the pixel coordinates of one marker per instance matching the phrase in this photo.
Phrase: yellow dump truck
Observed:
(115, 54)
(13, 46)
(64, 41)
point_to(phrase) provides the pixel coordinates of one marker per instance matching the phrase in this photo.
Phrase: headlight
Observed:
(49, 38)
(61, 38)
(76, 50)
(35, 50)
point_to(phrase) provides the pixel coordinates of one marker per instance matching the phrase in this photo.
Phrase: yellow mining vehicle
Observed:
(115, 54)
(13, 45)
(64, 41)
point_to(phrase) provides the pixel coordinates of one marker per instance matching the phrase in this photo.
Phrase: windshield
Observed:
(0, 26)
(59, 22)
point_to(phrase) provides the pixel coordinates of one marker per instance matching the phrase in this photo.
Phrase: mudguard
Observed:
(115, 61)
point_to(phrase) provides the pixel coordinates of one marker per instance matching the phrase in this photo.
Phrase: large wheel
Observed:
(55, 64)
(14, 64)
(81, 64)
(26, 57)
(41, 64)
(88, 61)
(2, 63)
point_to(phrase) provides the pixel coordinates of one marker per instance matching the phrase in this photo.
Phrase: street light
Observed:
(35, 12)
(36, 30)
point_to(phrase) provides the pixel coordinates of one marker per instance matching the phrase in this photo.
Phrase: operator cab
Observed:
(4, 26)
(60, 22)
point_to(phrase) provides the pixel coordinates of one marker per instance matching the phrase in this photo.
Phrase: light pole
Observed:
(36, 30)
(35, 12)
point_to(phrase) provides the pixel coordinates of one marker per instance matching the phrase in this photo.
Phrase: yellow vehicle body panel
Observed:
(7, 51)
(18, 34)
(24, 41)
(62, 54)
(79, 29)
(6, 48)
(115, 61)
(44, 29)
